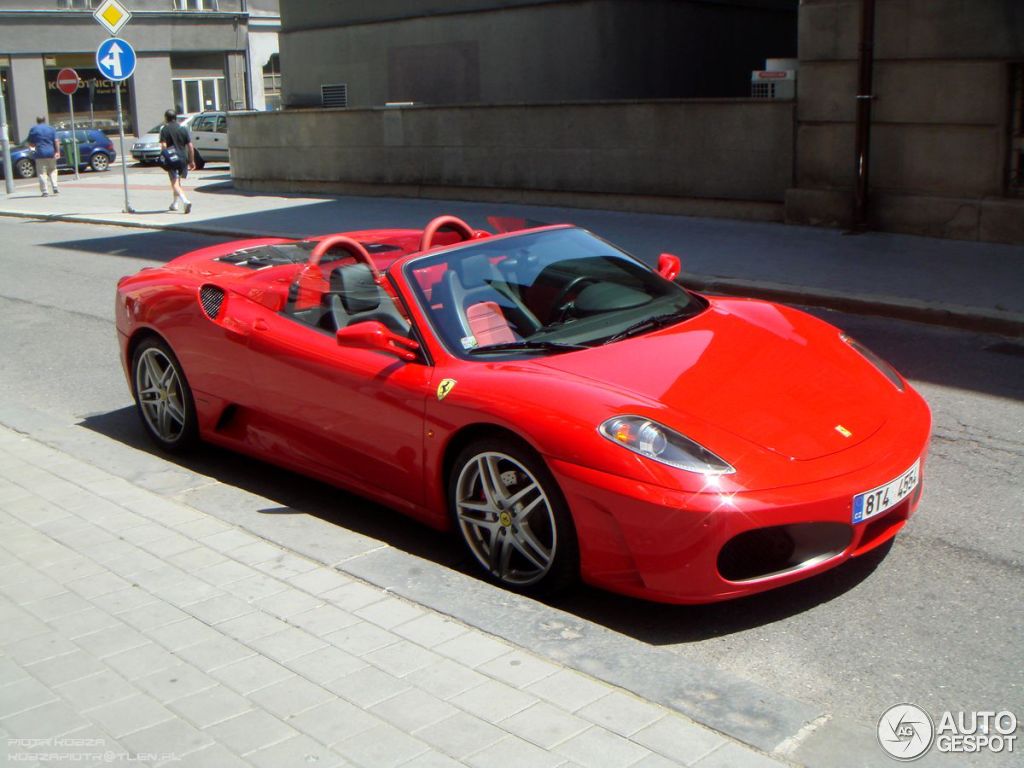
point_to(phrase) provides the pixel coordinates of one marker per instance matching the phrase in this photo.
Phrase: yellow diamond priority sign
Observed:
(112, 16)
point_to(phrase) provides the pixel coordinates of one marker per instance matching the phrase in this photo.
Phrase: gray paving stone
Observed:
(57, 606)
(678, 738)
(83, 623)
(432, 759)
(104, 687)
(252, 626)
(472, 649)
(78, 567)
(288, 603)
(733, 755)
(389, 612)
(354, 596)
(171, 543)
(430, 629)
(320, 580)
(513, 752)
(297, 752)
(287, 644)
(251, 674)
(216, 756)
(445, 679)
(175, 682)
(255, 587)
(402, 658)
(286, 565)
(412, 709)
(216, 609)
(172, 739)
(210, 706)
(323, 619)
(35, 587)
(250, 731)
(196, 557)
(152, 615)
(596, 746)
(654, 760)
(129, 715)
(622, 712)
(334, 721)
(367, 687)
(141, 661)
(10, 671)
(224, 572)
(122, 600)
(53, 719)
(112, 640)
(182, 634)
(461, 734)
(213, 653)
(568, 689)
(97, 584)
(17, 624)
(361, 638)
(39, 648)
(493, 701)
(383, 746)
(325, 664)
(65, 668)
(518, 668)
(291, 696)
(544, 725)
(245, 548)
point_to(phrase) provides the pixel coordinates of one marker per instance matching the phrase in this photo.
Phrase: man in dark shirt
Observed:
(179, 157)
(42, 139)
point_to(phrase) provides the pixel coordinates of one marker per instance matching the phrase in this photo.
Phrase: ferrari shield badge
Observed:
(446, 386)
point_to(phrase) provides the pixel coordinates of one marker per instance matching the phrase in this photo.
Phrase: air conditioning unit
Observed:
(773, 84)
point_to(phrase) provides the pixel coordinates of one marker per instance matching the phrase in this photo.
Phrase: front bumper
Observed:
(673, 546)
(145, 153)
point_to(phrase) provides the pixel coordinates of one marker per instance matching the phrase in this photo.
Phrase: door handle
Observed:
(260, 325)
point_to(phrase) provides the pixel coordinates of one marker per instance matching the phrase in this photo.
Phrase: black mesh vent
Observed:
(211, 297)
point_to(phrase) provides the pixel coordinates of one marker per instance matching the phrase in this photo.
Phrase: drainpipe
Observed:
(862, 138)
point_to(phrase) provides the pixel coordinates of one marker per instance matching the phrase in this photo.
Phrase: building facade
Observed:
(192, 55)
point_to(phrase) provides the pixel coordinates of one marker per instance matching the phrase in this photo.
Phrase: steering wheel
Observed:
(573, 289)
(354, 248)
(443, 222)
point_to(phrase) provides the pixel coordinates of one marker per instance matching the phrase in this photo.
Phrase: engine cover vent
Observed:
(211, 297)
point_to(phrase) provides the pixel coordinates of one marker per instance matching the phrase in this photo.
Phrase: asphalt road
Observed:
(936, 619)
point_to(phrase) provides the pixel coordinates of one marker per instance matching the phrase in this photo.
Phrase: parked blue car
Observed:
(95, 150)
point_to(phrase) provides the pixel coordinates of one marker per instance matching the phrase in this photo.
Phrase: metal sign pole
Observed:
(124, 166)
(5, 144)
(74, 134)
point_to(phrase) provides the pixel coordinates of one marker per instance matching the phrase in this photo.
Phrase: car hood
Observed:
(772, 376)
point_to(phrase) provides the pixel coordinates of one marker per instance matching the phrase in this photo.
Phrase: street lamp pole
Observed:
(5, 144)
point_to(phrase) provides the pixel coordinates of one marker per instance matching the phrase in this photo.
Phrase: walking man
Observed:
(42, 140)
(178, 155)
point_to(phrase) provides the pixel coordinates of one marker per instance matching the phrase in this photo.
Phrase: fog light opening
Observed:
(778, 549)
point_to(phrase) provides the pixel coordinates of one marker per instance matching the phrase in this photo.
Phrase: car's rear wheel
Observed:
(512, 517)
(99, 161)
(25, 168)
(163, 397)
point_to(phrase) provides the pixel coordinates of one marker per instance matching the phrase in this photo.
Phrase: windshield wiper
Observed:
(545, 346)
(649, 324)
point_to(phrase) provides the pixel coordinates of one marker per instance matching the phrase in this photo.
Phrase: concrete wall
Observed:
(940, 121)
(151, 90)
(710, 157)
(500, 52)
(27, 103)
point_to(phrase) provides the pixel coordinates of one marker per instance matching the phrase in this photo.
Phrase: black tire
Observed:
(100, 161)
(168, 414)
(25, 168)
(529, 545)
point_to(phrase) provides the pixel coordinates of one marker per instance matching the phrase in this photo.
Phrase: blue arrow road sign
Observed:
(115, 59)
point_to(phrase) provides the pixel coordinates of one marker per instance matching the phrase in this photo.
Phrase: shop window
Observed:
(1016, 160)
(196, 94)
(272, 82)
(195, 5)
(77, 5)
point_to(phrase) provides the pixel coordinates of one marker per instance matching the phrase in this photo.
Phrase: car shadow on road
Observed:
(653, 623)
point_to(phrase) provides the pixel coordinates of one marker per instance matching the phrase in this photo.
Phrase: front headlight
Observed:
(883, 367)
(656, 441)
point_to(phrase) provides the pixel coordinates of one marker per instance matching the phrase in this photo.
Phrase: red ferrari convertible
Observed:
(568, 411)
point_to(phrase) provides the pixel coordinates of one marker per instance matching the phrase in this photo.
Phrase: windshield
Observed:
(542, 293)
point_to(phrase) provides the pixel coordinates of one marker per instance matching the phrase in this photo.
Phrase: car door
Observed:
(202, 132)
(353, 414)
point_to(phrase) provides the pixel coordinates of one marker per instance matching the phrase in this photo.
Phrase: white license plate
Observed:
(876, 501)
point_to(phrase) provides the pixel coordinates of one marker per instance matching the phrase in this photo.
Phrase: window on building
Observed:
(272, 82)
(1016, 159)
(195, 5)
(77, 5)
(195, 94)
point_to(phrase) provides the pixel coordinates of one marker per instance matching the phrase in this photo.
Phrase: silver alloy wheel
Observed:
(160, 393)
(25, 168)
(506, 518)
(99, 162)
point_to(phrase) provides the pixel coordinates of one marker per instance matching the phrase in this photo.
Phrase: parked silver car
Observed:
(146, 148)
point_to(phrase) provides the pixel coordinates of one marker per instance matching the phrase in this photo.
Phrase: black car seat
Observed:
(355, 297)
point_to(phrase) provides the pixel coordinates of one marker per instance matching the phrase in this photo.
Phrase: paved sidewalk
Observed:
(136, 628)
(955, 283)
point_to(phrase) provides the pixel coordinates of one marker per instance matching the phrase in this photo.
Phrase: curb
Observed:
(948, 315)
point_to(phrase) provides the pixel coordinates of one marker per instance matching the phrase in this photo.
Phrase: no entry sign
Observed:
(67, 81)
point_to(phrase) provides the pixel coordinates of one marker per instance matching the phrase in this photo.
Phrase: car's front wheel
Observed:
(163, 397)
(99, 161)
(512, 517)
(25, 168)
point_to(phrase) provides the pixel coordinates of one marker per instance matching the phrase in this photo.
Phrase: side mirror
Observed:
(373, 334)
(669, 266)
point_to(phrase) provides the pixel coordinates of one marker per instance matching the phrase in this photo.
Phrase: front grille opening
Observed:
(777, 549)
(211, 297)
(886, 526)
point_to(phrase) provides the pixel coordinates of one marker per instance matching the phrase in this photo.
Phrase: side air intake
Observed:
(211, 297)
